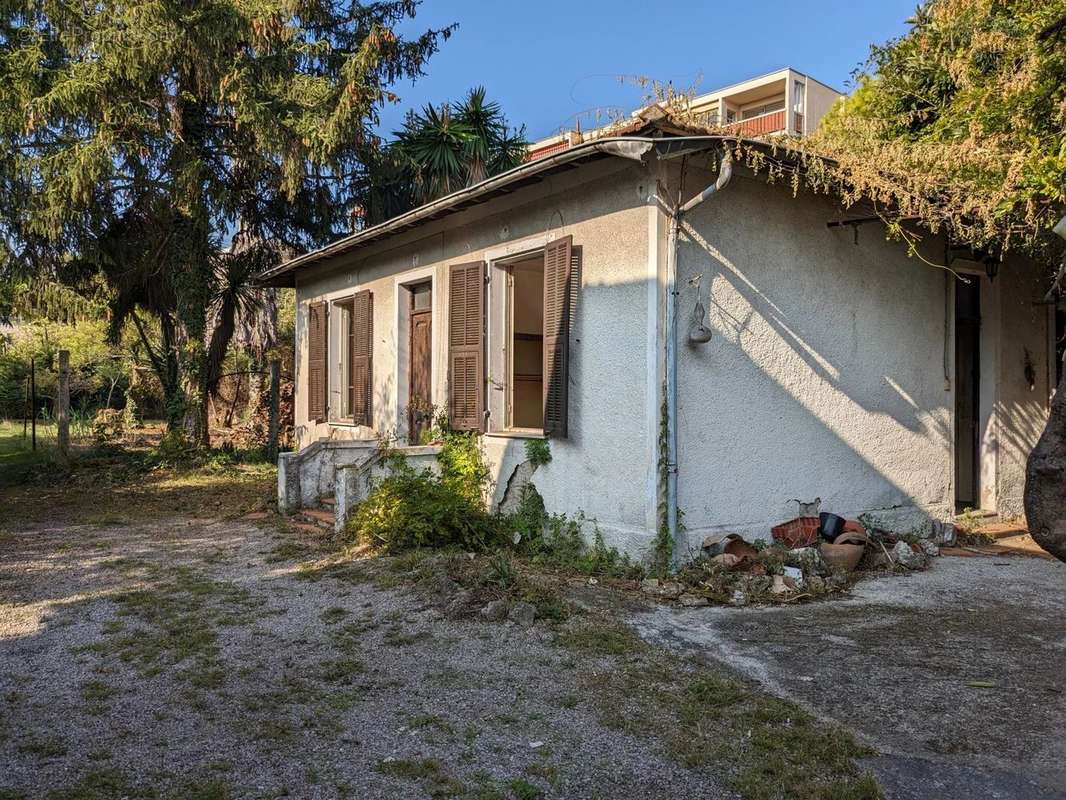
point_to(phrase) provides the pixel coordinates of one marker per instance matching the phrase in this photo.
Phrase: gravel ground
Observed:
(193, 659)
(956, 675)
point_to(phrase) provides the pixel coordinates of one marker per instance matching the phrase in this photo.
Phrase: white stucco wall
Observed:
(1020, 408)
(601, 469)
(825, 377)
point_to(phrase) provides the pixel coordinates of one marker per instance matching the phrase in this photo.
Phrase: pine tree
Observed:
(136, 137)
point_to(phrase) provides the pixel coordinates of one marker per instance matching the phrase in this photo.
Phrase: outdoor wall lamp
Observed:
(698, 333)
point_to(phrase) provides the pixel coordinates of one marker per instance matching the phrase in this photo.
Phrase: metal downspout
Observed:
(725, 173)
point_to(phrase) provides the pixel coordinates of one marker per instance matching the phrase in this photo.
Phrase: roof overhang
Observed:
(635, 147)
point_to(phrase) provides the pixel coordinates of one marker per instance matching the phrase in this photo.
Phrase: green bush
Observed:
(412, 508)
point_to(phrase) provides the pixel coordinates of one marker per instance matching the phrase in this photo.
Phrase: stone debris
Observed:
(668, 590)
(522, 614)
(906, 556)
(692, 600)
(495, 611)
(808, 559)
(929, 547)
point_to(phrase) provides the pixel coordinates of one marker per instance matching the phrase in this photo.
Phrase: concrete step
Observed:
(317, 516)
(1003, 530)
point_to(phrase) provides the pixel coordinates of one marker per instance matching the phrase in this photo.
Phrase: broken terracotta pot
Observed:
(731, 551)
(846, 552)
(798, 532)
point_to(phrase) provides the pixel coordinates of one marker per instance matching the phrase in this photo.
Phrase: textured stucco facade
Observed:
(602, 468)
(829, 373)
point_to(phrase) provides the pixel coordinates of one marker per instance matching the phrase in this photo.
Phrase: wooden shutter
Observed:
(317, 338)
(466, 346)
(360, 357)
(558, 270)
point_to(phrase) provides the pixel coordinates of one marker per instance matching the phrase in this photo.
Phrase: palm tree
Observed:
(439, 150)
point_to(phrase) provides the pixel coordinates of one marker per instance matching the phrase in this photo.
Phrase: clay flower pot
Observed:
(846, 552)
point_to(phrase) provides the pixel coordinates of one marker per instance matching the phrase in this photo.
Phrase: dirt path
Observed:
(196, 659)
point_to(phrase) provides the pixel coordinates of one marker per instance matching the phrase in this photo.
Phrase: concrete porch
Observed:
(329, 478)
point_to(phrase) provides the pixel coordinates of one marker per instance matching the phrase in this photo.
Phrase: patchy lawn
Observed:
(156, 642)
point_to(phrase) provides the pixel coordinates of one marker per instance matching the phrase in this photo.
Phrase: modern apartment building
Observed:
(782, 102)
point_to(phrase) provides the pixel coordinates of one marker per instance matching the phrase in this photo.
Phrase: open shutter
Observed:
(316, 362)
(558, 270)
(466, 346)
(360, 353)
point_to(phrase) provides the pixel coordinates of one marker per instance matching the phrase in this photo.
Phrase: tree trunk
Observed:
(1045, 481)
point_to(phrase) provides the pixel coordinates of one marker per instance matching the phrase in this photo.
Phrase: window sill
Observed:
(517, 433)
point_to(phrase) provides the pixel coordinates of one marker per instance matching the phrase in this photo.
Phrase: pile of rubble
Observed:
(809, 557)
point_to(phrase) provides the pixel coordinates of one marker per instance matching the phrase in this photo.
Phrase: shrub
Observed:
(412, 508)
(108, 424)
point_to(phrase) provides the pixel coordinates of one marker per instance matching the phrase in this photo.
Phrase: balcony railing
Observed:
(761, 125)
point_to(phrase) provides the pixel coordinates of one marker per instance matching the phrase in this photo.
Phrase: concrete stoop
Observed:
(321, 484)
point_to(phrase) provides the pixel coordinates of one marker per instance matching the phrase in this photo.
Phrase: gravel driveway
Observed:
(196, 659)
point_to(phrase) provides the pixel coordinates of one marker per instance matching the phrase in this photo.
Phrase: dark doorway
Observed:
(419, 404)
(1060, 343)
(967, 394)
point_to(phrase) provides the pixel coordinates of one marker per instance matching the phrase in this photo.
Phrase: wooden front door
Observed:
(419, 405)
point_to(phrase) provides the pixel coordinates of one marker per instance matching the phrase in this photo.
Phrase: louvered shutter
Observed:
(466, 346)
(316, 362)
(558, 269)
(360, 355)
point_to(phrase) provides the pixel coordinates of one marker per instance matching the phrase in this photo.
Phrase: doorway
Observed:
(967, 394)
(420, 368)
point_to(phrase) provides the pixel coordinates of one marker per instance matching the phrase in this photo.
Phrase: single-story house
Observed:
(813, 357)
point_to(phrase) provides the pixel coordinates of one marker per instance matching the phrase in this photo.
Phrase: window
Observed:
(764, 108)
(350, 360)
(341, 367)
(797, 97)
(525, 335)
(525, 338)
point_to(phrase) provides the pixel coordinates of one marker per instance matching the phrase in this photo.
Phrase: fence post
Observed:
(33, 402)
(63, 408)
(275, 392)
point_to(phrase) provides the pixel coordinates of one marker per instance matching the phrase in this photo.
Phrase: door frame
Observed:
(402, 350)
(413, 317)
(986, 452)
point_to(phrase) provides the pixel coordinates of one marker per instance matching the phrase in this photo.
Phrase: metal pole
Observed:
(33, 401)
(275, 392)
(63, 408)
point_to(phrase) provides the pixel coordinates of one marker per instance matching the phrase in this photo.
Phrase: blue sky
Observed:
(550, 61)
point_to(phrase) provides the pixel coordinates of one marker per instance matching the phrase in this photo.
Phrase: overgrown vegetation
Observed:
(444, 508)
(411, 508)
(538, 452)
